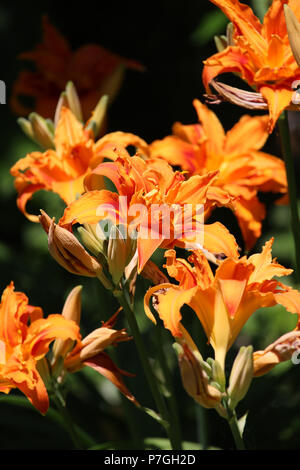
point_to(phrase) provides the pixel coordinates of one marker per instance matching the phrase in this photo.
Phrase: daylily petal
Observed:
(229, 60)
(91, 207)
(278, 99)
(106, 367)
(167, 301)
(218, 240)
(265, 267)
(42, 332)
(250, 133)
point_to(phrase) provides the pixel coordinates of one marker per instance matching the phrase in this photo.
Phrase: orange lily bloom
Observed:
(22, 346)
(223, 302)
(154, 187)
(61, 170)
(243, 169)
(94, 70)
(260, 53)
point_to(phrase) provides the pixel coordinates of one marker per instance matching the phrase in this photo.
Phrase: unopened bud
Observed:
(92, 243)
(221, 43)
(229, 34)
(62, 103)
(73, 101)
(68, 251)
(293, 28)
(71, 311)
(218, 375)
(116, 254)
(96, 122)
(194, 378)
(41, 131)
(241, 376)
(26, 127)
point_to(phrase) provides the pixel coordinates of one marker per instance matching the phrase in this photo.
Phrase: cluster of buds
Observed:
(113, 255)
(205, 381)
(42, 131)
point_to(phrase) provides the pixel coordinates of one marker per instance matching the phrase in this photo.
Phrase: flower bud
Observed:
(241, 376)
(218, 375)
(42, 133)
(62, 103)
(194, 379)
(73, 101)
(90, 241)
(71, 311)
(221, 43)
(279, 351)
(26, 127)
(68, 251)
(119, 253)
(97, 121)
(293, 28)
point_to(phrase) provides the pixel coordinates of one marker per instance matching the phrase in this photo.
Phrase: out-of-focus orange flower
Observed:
(25, 337)
(223, 302)
(150, 187)
(94, 70)
(243, 169)
(260, 53)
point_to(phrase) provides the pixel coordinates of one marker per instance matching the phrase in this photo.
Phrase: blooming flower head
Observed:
(94, 70)
(260, 53)
(25, 337)
(146, 191)
(70, 153)
(243, 168)
(223, 301)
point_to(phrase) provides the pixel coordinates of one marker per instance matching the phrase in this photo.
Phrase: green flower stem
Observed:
(233, 423)
(61, 408)
(124, 301)
(201, 426)
(169, 383)
(284, 132)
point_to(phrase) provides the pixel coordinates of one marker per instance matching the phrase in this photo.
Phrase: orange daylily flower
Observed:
(23, 345)
(243, 168)
(61, 170)
(94, 70)
(223, 301)
(261, 54)
(150, 188)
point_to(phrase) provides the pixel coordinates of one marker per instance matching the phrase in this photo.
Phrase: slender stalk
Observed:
(201, 426)
(61, 407)
(233, 423)
(129, 415)
(284, 132)
(169, 383)
(122, 296)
